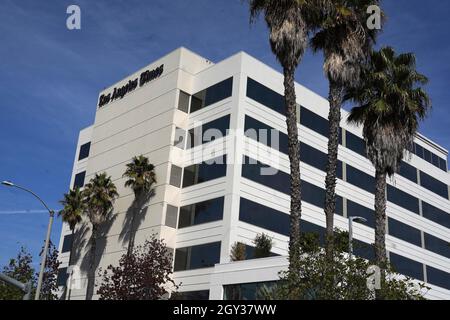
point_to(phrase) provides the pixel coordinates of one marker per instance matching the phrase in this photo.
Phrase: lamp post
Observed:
(350, 233)
(47, 238)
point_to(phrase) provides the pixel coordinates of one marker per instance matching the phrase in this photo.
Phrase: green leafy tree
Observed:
(289, 23)
(49, 281)
(390, 103)
(263, 245)
(346, 279)
(99, 194)
(21, 269)
(144, 274)
(238, 252)
(346, 42)
(141, 178)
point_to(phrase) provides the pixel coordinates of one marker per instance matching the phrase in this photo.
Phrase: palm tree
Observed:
(141, 177)
(390, 102)
(289, 23)
(346, 42)
(100, 194)
(72, 212)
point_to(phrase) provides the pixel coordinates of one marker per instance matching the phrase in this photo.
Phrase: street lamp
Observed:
(47, 239)
(350, 233)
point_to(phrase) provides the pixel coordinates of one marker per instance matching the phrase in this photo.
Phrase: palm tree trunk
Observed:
(91, 273)
(294, 158)
(334, 118)
(132, 231)
(380, 219)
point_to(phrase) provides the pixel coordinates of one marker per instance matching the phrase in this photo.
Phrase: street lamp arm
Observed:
(36, 196)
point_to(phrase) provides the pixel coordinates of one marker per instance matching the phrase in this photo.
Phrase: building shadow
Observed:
(134, 217)
(100, 249)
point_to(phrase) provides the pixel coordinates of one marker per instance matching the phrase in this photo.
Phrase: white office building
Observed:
(202, 207)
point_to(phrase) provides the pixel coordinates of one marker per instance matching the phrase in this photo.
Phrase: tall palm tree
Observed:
(390, 103)
(72, 213)
(289, 23)
(141, 177)
(346, 42)
(100, 194)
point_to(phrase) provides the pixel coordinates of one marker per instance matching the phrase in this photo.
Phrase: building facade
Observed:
(216, 134)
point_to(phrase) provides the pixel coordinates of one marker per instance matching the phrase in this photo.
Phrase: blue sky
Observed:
(50, 78)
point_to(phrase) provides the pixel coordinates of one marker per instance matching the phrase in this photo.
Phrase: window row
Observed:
(206, 97)
(430, 157)
(197, 173)
(201, 212)
(275, 139)
(248, 291)
(251, 169)
(313, 121)
(196, 257)
(207, 132)
(280, 181)
(258, 290)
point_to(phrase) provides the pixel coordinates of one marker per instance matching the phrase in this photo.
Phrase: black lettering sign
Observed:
(119, 93)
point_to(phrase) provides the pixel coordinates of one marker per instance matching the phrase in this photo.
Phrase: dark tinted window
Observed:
(183, 102)
(360, 179)
(406, 266)
(404, 232)
(202, 212)
(208, 132)
(427, 155)
(264, 217)
(437, 245)
(266, 134)
(205, 171)
(191, 295)
(212, 95)
(438, 277)
(79, 180)
(252, 169)
(402, 199)
(265, 96)
(308, 227)
(314, 122)
(339, 205)
(418, 150)
(248, 291)
(175, 175)
(408, 171)
(355, 143)
(250, 253)
(430, 157)
(195, 257)
(278, 140)
(67, 243)
(363, 250)
(357, 210)
(443, 164)
(84, 151)
(435, 214)
(313, 194)
(433, 185)
(62, 276)
(317, 159)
